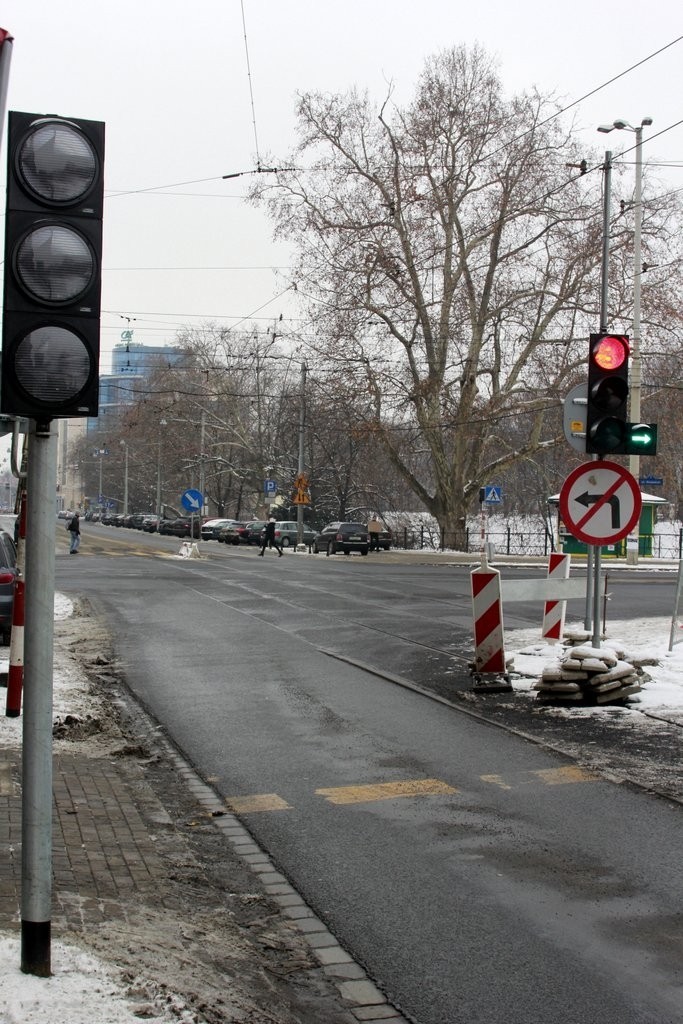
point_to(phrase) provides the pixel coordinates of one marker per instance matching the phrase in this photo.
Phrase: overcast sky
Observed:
(170, 80)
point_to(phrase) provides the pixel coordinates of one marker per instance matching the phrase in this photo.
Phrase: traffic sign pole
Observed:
(600, 503)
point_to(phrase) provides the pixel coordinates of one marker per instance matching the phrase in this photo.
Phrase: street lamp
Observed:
(162, 423)
(636, 364)
(125, 476)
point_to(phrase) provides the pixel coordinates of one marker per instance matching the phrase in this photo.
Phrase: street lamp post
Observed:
(162, 423)
(636, 361)
(125, 477)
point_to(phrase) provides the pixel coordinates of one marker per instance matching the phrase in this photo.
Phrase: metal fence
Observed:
(524, 542)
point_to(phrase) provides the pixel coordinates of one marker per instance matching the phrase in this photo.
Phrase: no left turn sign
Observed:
(600, 503)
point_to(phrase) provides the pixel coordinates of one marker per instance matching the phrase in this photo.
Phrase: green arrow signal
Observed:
(641, 439)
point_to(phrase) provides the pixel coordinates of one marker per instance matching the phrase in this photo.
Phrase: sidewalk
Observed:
(153, 875)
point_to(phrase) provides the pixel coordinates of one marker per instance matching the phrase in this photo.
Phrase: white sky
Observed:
(86, 990)
(170, 80)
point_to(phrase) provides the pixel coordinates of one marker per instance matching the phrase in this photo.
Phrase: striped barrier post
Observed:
(487, 607)
(554, 611)
(15, 676)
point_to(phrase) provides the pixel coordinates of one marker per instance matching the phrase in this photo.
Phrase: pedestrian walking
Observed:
(374, 530)
(269, 540)
(74, 528)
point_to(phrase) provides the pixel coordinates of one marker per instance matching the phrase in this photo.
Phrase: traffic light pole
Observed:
(36, 828)
(594, 550)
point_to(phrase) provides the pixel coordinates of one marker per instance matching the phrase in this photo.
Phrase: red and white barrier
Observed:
(487, 607)
(15, 676)
(554, 611)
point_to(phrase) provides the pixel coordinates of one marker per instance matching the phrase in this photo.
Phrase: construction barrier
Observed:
(15, 676)
(554, 611)
(487, 607)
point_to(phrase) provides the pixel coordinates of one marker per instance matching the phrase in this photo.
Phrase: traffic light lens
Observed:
(52, 365)
(610, 352)
(608, 434)
(610, 393)
(55, 264)
(57, 163)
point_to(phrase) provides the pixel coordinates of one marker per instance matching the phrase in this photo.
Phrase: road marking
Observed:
(497, 780)
(548, 776)
(365, 794)
(385, 791)
(565, 776)
(257, 802)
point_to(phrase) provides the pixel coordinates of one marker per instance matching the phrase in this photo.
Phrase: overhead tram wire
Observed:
(251, 90)
(259, 169)
(198, 181)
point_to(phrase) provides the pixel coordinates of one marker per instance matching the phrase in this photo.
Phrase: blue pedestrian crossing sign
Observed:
(490, 495)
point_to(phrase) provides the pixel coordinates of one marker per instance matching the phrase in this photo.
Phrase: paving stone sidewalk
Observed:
(153, 875)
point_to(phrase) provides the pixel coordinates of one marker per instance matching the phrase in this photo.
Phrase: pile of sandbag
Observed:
(590, 675)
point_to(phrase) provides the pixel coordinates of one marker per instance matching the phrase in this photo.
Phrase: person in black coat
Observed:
(74, 528)
(269, 540)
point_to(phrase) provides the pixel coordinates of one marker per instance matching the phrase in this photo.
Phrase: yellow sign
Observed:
(301, 495)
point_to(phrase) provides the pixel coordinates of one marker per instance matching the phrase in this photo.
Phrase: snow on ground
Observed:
(646, 640)
(83, 989)
(86, 990)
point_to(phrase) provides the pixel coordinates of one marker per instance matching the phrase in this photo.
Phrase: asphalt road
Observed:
(477, 875)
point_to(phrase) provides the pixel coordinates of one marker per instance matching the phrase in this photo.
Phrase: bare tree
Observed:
(451, 261)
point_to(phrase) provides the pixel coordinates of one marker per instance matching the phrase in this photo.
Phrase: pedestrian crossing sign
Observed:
(491, 495)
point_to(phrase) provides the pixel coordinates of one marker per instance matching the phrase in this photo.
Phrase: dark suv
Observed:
(346, 537)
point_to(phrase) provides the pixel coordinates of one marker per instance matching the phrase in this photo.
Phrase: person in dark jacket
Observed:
(74, 528)
(269, 540)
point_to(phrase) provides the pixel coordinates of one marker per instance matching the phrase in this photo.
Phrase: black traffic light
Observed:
(607, 393)
(53, 257)
(608, 432)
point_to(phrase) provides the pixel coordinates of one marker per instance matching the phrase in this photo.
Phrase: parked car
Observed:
(286, 534)
(150, 524)
(346, 537)
(251, 532)
(212, 527)
(221, 536)
(179, 527)
(8, 573)
(230, 532)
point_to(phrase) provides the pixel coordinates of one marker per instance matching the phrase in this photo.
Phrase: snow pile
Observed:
(647, 647)
(82, 990)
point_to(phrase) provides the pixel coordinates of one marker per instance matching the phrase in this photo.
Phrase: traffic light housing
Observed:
(608, 432)
(607, 393)
(53, 258)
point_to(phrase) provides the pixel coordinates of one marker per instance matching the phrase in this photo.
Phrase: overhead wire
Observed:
(574, 103)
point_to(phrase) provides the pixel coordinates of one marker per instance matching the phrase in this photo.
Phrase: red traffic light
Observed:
(610, 351)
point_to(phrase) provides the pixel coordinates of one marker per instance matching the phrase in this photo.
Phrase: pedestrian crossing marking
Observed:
(257, 802)
(564, 776)
(385, 791)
